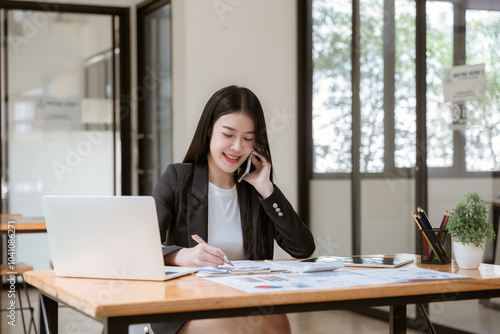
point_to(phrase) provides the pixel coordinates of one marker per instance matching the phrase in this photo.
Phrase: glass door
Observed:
(64, 109)
(58, 118)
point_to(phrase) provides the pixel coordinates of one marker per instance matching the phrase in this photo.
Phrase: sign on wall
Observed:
(464, 82)
(58, 109)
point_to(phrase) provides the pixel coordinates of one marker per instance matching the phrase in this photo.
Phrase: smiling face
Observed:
(231, 143)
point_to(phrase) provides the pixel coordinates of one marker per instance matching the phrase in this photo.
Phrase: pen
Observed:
(199, 240)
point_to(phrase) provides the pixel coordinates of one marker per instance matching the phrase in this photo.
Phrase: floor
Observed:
(466, 315)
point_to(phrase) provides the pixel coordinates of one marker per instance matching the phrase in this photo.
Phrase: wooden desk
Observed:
(119, 303)
(18, 224)
(14, 225)
(23, 224)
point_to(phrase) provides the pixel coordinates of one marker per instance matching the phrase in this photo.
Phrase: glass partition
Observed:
(58, 123)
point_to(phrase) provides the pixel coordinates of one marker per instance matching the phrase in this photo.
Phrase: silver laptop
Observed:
(113, 237)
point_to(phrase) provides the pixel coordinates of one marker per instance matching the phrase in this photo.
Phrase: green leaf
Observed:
(469, 223)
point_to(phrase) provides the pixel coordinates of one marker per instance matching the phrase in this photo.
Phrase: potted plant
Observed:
(469, 227)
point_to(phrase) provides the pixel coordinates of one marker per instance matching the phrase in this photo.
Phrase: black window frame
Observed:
(144, 114)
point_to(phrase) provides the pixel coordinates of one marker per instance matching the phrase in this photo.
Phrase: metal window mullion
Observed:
(113, 99)
(142, 108)
(421, 172)
(459, 58)
(389, 35)
(154, 117)
(305, 145)
(4, 126)
(125, 105)
(356, 132)
(3, 40)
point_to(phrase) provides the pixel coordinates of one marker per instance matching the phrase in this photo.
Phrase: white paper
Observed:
(224, 269)
(464, 82)
(329, 279)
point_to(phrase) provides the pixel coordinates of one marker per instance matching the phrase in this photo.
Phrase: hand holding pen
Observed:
(199, 240)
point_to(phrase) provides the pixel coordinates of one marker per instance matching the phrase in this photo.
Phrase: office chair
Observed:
(20, 269)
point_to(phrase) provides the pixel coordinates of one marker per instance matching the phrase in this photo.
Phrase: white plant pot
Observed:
(467, 256)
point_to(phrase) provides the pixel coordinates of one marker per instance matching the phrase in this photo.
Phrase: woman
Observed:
(239, 220)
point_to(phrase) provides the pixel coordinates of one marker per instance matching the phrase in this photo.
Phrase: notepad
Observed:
(305, 267)
(213, 272)
(363, 261)
(241, 267)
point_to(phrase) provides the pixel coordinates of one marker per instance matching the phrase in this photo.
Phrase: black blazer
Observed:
(181, 198)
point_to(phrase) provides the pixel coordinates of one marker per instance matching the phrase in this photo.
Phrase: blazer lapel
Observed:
(197, 205)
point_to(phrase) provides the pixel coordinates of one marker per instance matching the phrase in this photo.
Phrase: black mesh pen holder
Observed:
(435, 247)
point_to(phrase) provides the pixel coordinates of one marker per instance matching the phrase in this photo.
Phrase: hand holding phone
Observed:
(260, 177)
(247, 170)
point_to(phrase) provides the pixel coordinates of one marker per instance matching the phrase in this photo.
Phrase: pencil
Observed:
(425, 219)
(423, 236)
(442, 226)
(199, 240)
(446, 221)
(442, 221)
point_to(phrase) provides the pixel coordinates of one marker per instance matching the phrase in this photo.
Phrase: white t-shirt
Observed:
(224, 221)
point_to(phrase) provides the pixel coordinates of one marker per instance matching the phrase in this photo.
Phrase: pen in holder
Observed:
(436, 246)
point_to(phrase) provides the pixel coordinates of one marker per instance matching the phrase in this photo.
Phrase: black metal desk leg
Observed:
(115, 326)
(422, 309)
(397, 319)
(48, 315)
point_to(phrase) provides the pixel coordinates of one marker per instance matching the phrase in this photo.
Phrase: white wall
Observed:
(330, 208)
(445, 193)
(252, 44)
(247, 43)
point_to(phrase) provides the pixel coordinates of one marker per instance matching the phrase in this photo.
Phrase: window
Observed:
(332, 87)
(387, 86)
(482, 150)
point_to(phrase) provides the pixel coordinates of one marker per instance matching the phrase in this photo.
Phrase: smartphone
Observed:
(247, 170)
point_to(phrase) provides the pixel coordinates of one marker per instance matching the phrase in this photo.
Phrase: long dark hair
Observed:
(225, 101)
